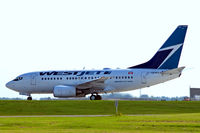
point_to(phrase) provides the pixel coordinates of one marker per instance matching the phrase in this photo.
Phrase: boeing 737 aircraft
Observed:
(162, 67)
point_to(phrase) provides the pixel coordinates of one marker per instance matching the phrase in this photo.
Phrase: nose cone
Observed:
(10, 85)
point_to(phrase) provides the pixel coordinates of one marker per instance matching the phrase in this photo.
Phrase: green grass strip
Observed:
(86, 107)
(171, 123)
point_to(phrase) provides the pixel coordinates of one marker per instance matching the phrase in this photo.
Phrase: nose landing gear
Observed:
(26, 94)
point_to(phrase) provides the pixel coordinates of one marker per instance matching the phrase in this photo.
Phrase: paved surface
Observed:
(54, 116)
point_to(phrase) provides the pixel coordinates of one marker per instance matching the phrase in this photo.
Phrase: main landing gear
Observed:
(95, 97)
(29, 98)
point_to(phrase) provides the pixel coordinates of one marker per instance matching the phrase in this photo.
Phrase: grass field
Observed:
(86, 107)
(183, 123)
(167, 117)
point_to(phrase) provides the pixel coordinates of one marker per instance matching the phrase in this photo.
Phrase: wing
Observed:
(94, 84)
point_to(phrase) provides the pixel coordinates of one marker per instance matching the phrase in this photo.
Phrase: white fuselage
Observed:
(118, 80)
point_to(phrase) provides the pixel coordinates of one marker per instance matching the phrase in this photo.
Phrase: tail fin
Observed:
(167, 57)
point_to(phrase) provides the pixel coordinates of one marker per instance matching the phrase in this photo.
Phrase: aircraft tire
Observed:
(92, 97)
(29, 98)
(98, 97)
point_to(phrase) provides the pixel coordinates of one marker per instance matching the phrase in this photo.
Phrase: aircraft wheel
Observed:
(29, 98)
(98, 97)
(92, 97)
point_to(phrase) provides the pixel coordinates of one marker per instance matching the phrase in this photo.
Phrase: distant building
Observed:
(144, 96)
(195, 94)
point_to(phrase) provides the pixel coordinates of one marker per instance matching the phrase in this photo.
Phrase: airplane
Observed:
(162, 67)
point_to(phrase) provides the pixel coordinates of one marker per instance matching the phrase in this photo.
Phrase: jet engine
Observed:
(64, 91)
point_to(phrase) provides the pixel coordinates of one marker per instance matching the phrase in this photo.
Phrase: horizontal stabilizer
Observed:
(173, 71)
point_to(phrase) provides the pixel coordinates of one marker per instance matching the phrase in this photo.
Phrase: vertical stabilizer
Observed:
(168, 56)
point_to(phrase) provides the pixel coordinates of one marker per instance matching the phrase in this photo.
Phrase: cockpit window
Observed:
(18, 78)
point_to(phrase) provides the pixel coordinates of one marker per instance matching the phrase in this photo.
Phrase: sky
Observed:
(94, 34)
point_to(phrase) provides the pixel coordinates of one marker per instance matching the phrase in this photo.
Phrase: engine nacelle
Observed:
(64, 91)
